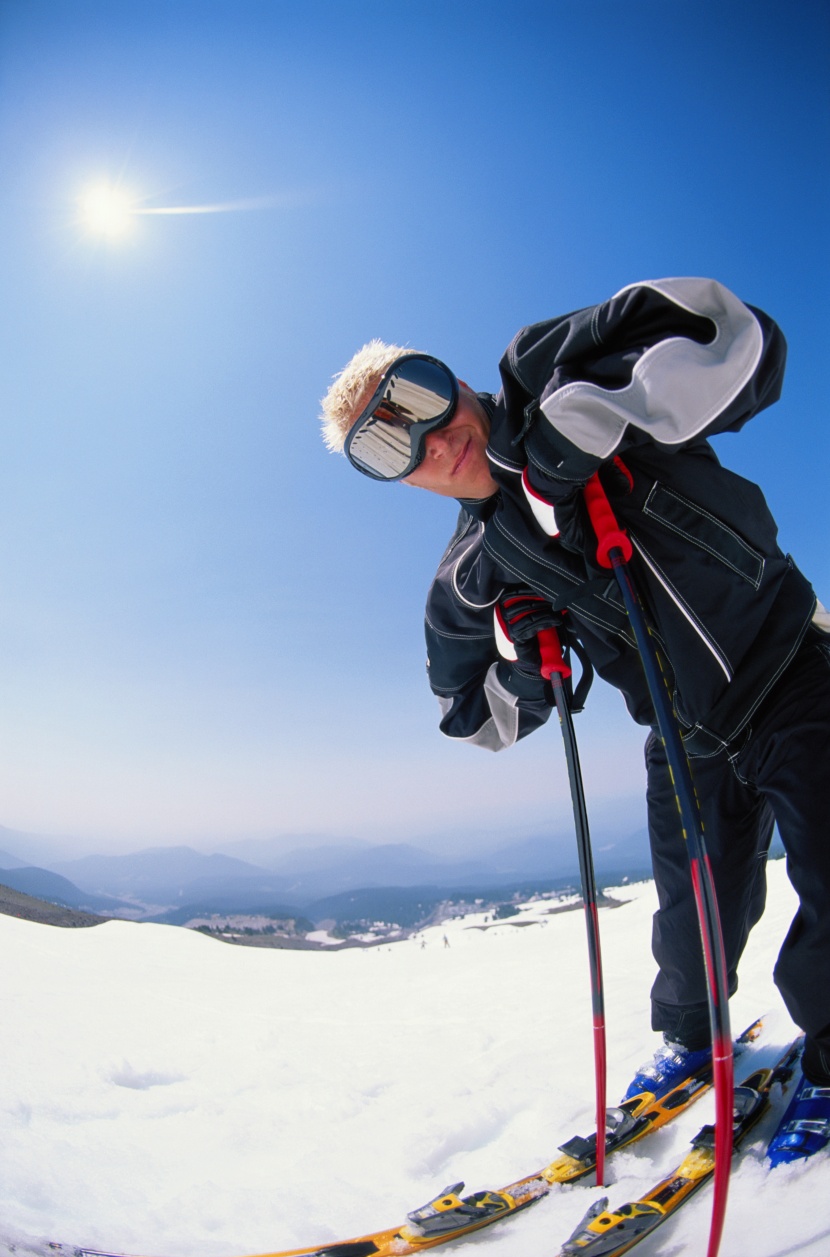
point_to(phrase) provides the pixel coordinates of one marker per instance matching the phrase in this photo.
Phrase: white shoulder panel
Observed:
(678, 387)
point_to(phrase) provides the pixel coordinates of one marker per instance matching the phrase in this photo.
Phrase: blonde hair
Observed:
(353, 387)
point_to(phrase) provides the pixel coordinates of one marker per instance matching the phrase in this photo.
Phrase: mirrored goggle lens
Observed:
(418, 396)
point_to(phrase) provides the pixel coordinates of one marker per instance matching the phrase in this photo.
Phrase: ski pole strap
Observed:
(551, 653)
(585, 682)
(609, 534)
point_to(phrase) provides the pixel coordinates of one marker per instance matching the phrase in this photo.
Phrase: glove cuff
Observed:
(555, 463)
(523, 682)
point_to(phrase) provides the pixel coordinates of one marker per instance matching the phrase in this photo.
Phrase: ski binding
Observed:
(450, 1211)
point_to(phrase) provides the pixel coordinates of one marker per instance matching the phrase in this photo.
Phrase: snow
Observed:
(323, 936)
(165, 1093)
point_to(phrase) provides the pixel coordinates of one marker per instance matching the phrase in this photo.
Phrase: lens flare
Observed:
(107, 210)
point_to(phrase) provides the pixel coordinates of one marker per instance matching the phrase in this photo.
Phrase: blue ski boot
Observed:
(805, 1127)
(670, 1065)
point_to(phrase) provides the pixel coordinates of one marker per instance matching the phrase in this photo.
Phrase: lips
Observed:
(459, 462)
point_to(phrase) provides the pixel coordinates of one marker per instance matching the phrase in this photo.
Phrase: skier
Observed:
(630, 389)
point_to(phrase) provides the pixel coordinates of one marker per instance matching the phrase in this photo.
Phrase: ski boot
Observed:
(805, 1127)
(670, 1064)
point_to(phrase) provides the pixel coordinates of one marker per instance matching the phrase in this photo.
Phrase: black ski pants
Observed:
(779, 773)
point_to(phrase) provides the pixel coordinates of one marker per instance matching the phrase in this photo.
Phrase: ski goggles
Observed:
(415, 396)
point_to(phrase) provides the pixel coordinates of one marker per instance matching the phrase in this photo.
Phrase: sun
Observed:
(106, 210)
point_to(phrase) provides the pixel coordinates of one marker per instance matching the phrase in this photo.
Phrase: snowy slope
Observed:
(167, 1094)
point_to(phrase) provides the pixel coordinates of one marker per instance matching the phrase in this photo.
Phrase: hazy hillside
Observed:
(44, 884)
(13, 903)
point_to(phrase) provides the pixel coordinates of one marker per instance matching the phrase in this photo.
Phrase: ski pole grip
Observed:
(609, 534)
(551, 652)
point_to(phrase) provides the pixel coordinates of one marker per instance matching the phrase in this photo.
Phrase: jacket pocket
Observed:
(706, 531)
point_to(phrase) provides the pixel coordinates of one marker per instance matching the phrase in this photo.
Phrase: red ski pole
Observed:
(614, 551)
(554, 669)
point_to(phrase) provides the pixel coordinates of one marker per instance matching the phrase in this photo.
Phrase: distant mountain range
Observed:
(36, 849)
(9, 861)
(322, 881)
(164, 875)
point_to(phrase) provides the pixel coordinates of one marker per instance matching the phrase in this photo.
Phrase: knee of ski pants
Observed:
(788, 760)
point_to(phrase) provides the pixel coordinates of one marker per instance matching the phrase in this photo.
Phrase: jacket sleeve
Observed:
(484, 699)
(667, 361)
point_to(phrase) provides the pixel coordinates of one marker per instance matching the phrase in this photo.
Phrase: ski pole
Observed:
(554, 669)
(614, 551)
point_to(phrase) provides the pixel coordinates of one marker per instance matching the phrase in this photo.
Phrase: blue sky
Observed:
(210, 627)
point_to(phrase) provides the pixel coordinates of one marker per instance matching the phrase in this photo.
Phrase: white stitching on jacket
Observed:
(684, 608)
(698, 541)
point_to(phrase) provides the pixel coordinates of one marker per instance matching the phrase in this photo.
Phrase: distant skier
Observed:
(632, 388)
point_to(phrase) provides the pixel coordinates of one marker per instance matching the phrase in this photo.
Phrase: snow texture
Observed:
(169, 1094)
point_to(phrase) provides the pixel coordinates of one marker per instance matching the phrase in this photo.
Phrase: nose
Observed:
(436, 444)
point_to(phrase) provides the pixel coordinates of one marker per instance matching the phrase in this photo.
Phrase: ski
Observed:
(605, 1232)
(450, 1215)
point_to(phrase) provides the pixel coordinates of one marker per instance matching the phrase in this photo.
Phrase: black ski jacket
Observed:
(631, 388)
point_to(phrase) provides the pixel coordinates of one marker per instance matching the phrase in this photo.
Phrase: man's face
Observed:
(455, 463)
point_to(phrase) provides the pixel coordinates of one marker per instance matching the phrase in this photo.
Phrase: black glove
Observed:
(575, 530)
(520, 614)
